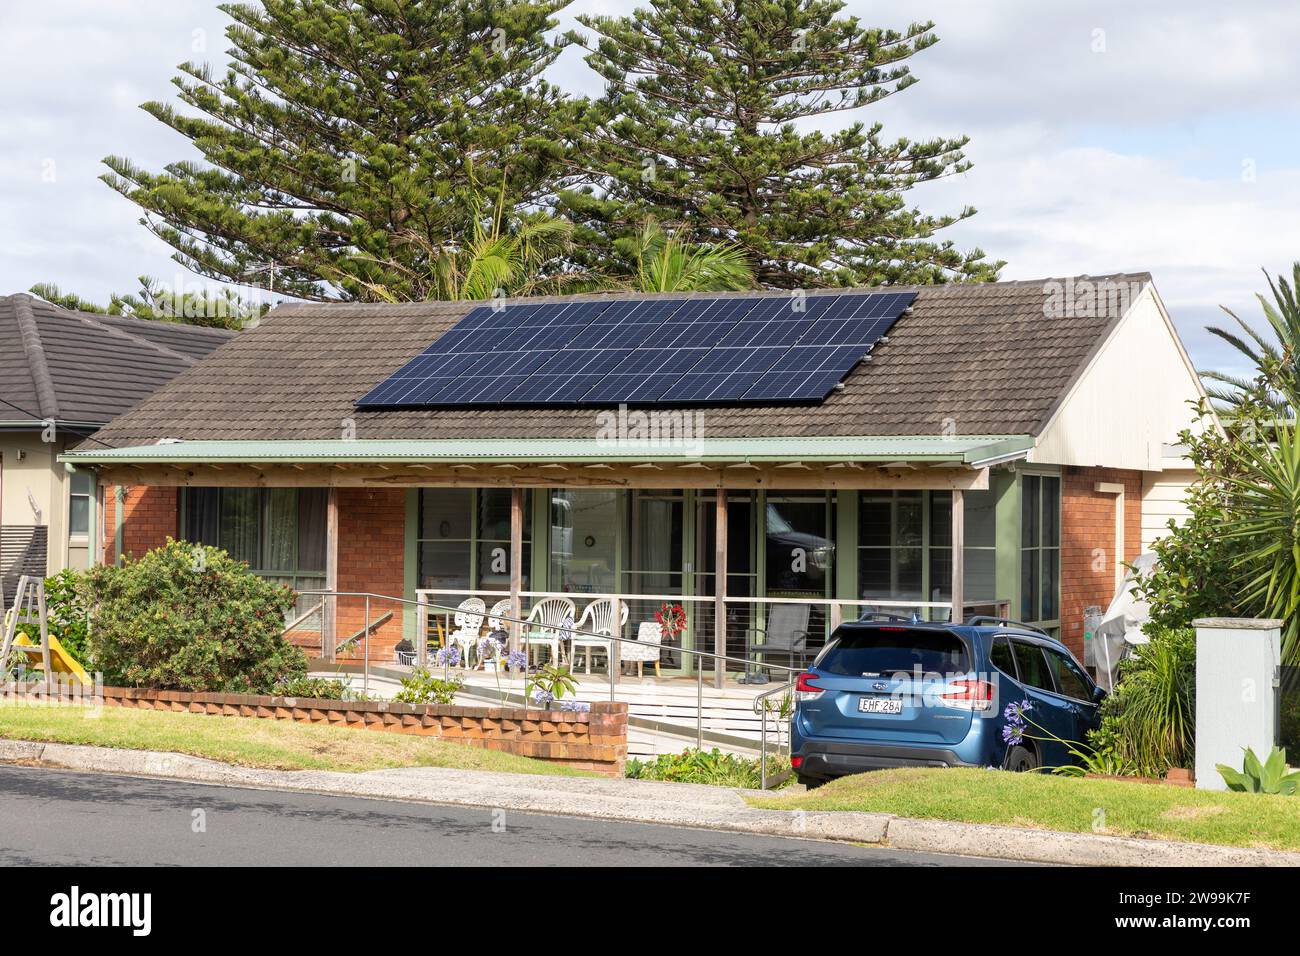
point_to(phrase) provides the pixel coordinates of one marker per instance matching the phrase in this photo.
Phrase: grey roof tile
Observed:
(988, 357)
(78, 367)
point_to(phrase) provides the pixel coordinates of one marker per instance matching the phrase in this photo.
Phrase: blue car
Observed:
(896, 693)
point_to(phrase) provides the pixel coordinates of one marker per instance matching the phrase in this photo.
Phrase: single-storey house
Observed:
(63, 375)
(999, 449)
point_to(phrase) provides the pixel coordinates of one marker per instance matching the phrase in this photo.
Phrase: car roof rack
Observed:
(891, 618)
(982, 619)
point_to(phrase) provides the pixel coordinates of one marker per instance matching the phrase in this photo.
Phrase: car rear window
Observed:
(885, 651)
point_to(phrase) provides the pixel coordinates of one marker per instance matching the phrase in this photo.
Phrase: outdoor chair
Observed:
(467, 623)
(597, 618)
(784, 639)
(649, 635)
(548, 625)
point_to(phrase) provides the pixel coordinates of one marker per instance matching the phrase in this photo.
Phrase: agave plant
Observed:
(1256, 777)
(1275, 362)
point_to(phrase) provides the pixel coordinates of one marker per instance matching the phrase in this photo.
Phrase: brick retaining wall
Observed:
(587, 741)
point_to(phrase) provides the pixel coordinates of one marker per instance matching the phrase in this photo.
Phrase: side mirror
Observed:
(1098, 693)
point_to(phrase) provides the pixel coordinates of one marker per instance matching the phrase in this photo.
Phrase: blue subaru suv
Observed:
(897, 693)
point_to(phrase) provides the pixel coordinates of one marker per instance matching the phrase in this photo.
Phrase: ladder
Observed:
(29, 608)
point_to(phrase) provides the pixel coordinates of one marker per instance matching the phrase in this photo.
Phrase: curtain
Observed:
(313, 504)
(239, 523)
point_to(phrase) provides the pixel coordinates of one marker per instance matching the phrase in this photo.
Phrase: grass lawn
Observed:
(1061, 803)
(250, 742)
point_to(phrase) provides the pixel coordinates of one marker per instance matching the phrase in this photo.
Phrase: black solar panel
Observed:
(736, 349)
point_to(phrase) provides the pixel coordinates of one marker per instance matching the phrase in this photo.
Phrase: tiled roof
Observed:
(84, 368)
(969, 359)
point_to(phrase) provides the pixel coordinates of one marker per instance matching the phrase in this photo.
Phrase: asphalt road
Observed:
(67, 818)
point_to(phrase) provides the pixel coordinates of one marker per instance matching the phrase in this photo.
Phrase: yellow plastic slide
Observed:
(60, 660)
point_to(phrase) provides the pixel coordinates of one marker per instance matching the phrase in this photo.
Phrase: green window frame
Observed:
(1040, 550)
(462, 539)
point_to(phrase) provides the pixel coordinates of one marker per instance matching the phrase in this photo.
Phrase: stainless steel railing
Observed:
(522, 629)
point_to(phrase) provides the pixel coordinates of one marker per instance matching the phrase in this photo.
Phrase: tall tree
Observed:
(1276, 362)
(342, 143)
(221, 308)
(708, 125)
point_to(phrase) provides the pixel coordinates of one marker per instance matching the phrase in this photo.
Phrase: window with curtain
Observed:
(1040, 549)
(463, 538)
(280, 532)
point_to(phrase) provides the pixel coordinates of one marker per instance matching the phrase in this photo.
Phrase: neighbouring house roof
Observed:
(968, 359)
(85, 369)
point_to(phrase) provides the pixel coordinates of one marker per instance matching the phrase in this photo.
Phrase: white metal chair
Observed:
(549, 624)
(468, 622)
(598, 618)
(649, 635)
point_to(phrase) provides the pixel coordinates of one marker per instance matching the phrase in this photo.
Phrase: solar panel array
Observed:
(699, 351)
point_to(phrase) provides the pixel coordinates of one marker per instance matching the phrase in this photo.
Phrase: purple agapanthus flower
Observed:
(543, 698)
(1013, 733)
(1016, 710)
(516, 660)
(448, 656)
(489, 649)
(575, 706)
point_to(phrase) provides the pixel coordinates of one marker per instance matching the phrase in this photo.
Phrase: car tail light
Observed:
(796, 762)
(806, 688)
(969, 695)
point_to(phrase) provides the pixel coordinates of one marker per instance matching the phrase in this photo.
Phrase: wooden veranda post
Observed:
(330, 607)
(720, 589)
(516, 561)
(958, 555)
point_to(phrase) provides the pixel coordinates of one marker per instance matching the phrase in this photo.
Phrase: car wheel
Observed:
(812, 783)
(1021, 759)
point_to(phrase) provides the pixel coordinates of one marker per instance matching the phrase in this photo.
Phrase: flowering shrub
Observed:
(188, 617)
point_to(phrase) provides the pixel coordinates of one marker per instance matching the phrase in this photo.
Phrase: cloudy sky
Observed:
(1106, 136)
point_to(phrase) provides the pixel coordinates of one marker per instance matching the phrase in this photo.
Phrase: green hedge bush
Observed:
(188, 617)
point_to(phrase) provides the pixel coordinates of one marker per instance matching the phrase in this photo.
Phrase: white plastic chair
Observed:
(549, 624)
(597, 618)
(467, 621)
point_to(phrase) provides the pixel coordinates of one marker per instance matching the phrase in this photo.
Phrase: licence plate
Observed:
(880, 705)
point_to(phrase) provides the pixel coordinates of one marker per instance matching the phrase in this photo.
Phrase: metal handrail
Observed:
(613, 662)
(761, 709)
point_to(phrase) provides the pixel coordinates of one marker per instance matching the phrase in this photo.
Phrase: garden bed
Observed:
(595, 740)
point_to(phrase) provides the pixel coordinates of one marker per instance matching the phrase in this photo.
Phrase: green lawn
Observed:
(1062, 803)
(250, 742)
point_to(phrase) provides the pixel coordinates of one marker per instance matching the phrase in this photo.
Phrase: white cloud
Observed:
(1085, 161)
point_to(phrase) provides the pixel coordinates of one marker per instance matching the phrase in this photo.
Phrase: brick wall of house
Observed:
(1088, 542)
(151, 516)
(372, 555)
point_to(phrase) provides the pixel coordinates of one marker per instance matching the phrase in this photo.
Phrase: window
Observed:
(584, 540)
(279, 532)
(1040, 548)
(463, 538)
(1032, 666)
(1069, 679)
(1001, 658)
(890, 651)
(905, 546)
(800, 551)
(83, 488)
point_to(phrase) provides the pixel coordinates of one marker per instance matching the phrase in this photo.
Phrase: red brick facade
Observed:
(1088, 541)
(151, 516)
(372, 557)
